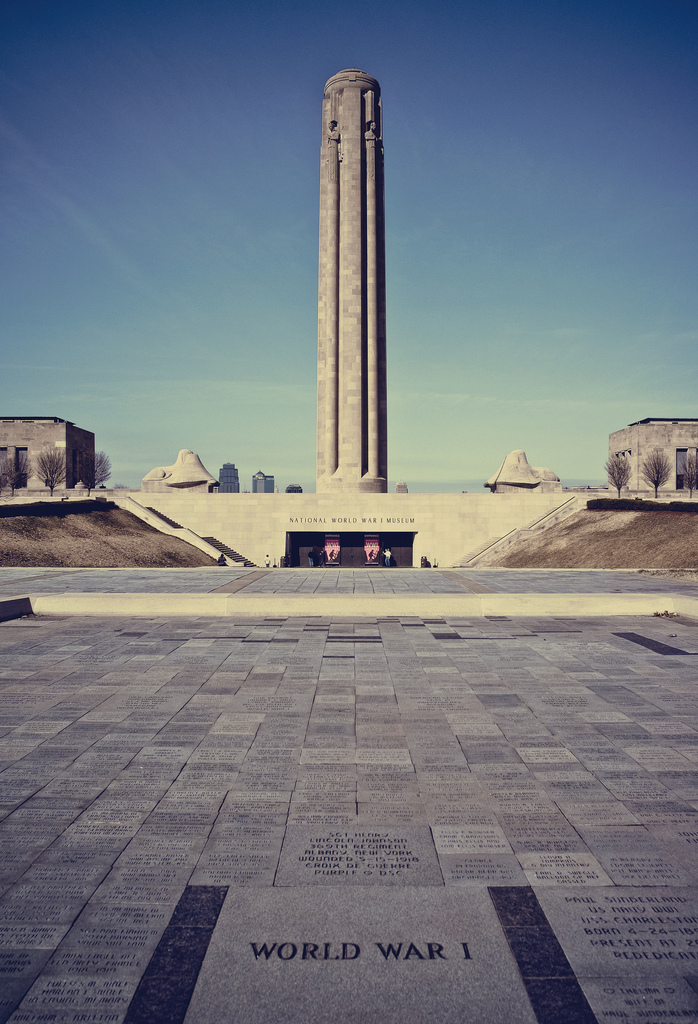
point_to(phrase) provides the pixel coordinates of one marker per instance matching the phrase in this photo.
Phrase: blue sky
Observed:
(159, 193)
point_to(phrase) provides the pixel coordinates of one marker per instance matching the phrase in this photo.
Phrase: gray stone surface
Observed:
(142, 759)
(359, 983)
(626, 932)
(327, 581)
(365, 856)
(648, 1001)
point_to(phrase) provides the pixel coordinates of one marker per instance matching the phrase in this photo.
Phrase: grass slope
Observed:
(100, 538)
(608, 540)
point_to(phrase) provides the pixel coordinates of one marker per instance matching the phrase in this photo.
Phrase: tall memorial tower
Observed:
(352, 449)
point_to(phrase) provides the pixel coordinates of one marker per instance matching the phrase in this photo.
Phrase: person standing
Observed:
(387, 558)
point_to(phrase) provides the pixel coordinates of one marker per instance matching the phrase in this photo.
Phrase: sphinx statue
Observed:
(187, 472)
(516, 474)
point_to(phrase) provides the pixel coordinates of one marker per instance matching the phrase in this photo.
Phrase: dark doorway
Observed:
(299, 546)
(400, 545)
(352, 553)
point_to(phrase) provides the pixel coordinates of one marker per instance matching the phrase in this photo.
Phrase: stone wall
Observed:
(446, 527)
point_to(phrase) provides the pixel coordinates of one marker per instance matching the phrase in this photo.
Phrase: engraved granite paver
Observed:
(372, 954)
(625, 931)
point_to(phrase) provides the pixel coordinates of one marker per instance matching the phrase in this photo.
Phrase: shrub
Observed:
(640, 505)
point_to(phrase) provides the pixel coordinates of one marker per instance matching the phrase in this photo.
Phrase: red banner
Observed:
(371, 549)
(332, 550)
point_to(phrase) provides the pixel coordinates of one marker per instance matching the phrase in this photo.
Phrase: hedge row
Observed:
(640, 505)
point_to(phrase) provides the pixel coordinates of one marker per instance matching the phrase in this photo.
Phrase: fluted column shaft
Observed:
(352, 444)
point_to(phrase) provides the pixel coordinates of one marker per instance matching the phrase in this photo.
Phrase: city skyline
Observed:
(160, 203)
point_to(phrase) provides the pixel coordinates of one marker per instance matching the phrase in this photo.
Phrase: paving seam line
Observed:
(167, 984)
(549, 980)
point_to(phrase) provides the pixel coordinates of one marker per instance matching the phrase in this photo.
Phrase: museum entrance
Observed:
(349, 550)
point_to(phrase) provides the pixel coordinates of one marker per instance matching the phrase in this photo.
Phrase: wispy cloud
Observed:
(36, 173)
(32, 367)
(190, 391)
(460, 398)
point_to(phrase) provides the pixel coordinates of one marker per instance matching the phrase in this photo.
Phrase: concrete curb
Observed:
(14, 608)
(243, 605)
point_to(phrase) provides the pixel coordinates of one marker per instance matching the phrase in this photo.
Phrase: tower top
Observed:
(352, 77)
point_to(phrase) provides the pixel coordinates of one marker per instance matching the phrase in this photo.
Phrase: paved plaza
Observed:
(332, 581)
(357, 819)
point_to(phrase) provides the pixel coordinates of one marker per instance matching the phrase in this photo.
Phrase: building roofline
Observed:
(665, 419)
(34, 419)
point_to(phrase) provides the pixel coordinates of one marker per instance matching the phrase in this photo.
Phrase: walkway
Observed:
(328, 581)
(309, 819)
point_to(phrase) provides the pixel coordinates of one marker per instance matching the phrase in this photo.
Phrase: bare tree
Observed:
(50, 466)
(690, 475)
(95, 468)
(16, 471)
(656, 469)
(618, 469)
(4, 474)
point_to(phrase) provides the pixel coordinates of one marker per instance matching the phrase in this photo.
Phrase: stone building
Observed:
(30, 434)
(674, 438)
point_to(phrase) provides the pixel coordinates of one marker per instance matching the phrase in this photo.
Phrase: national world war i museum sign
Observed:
(352, 452)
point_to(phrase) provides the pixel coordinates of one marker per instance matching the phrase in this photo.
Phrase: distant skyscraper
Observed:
(262, 484)
(401, 487)
(352, 447)
(229, 481)
(294, 489)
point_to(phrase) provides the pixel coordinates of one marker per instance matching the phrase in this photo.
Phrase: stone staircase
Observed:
(471, 556)
(492, 544)
(166, 519)
(213, 541)
(470, 559)
(230, 552)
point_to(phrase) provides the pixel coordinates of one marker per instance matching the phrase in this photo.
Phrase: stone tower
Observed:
(352, 450)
